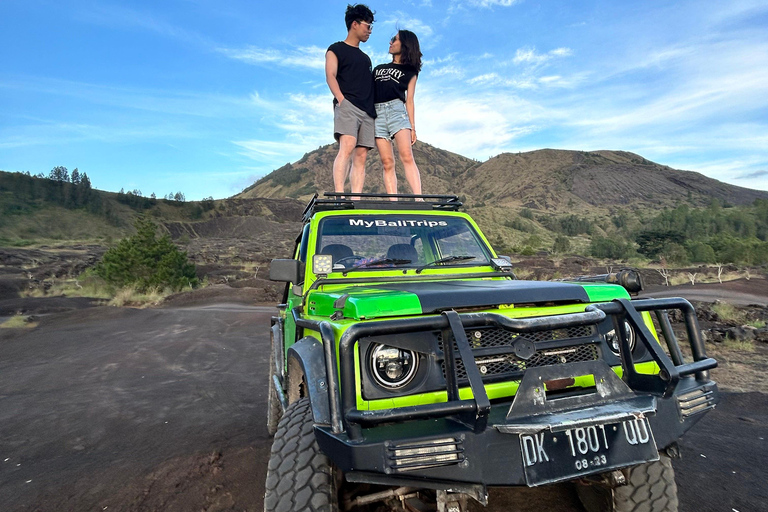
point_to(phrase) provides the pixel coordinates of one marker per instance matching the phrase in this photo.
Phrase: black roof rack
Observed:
(348, 201)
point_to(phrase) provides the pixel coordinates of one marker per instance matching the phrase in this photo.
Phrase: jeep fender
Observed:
(307, 376)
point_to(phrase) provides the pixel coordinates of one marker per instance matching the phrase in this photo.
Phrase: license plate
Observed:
(556, 456)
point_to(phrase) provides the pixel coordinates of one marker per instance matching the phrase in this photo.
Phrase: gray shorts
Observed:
(391, 117)
(350, 120)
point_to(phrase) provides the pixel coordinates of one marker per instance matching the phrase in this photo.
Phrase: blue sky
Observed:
(205, 96)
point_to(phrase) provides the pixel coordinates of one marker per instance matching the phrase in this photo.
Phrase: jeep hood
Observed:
(425, 297)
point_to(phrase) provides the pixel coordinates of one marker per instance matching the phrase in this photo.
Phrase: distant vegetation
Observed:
(680, 236)
(146, 261)
(64, 205)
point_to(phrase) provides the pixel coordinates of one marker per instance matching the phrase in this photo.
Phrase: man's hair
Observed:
(410, 53)
(358, 12)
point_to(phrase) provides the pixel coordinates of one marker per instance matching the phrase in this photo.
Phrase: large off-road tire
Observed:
(299, 476)
(274, 410)
(650, 487)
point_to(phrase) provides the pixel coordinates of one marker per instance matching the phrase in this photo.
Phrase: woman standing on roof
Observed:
(394, 87)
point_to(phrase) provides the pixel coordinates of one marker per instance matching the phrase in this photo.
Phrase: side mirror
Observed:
(289, 271)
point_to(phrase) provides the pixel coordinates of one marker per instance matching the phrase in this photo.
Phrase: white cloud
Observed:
(492, 3)
(528, 55)
(404, 21)
(479, 125)
(446, 71)
(488, 78)
(312, 57)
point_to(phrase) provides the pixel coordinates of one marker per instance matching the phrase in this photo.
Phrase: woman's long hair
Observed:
(410, 53)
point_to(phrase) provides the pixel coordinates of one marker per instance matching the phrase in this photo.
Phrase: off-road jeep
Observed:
(411, 370)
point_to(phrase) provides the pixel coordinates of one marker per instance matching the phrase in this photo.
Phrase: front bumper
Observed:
(489, 457)
(478, 442)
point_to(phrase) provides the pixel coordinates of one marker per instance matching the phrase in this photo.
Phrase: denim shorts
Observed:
(350, 120)
(391, 117)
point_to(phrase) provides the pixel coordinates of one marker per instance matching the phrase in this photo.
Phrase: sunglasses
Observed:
(369, 26)
(394, 38)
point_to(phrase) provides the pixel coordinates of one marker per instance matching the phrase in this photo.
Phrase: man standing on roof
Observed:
(348, 72)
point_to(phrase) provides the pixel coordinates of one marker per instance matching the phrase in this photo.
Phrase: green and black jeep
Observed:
(410, 370)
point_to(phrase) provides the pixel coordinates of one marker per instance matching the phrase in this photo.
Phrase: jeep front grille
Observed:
(424, 454)
(501, 365)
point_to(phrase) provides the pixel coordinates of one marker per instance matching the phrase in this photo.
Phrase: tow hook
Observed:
(451, 502)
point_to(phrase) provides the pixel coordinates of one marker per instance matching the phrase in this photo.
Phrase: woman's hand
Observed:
(413, 136)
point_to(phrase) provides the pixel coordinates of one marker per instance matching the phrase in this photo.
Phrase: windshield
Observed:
(371, 242)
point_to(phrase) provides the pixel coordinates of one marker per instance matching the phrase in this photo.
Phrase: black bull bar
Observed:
(346, 417)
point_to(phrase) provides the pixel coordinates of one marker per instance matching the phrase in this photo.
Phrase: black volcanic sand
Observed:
(164, 409)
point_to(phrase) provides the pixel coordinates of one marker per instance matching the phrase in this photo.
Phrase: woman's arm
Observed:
(410, 108)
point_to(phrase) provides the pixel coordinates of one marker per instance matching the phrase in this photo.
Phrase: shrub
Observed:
(146, 261)
(561, 245)
(610, 248)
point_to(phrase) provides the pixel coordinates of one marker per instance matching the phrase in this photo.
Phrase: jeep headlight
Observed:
(393, 367)
(613, 339)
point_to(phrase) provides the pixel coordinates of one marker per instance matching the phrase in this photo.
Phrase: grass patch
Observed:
(18, 322)
(523, 273)
(83, 286)
(738, 345)
(678, 279)
(757, 324)
(728, 313)
(130, 296)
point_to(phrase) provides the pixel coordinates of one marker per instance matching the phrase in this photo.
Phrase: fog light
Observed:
(393, 367)
(420, 455)
(613, 340)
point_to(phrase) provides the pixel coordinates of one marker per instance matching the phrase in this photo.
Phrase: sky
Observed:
(206, 96)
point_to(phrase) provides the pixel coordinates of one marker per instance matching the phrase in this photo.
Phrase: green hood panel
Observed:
(364, 303)
(605, 292)
(429, 297)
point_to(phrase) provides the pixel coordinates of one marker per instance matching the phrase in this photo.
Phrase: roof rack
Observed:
(344, 201)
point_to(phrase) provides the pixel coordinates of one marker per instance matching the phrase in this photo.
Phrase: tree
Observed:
(146, 261)
(59, 173)
(609, 248)
(75, 177)
(179, 197)
(561, 245)
(652, 242)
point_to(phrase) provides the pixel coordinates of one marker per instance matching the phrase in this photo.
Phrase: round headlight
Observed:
(613, 340)
(393, 367)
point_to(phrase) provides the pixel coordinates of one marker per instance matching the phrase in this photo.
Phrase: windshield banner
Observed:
(379, 223)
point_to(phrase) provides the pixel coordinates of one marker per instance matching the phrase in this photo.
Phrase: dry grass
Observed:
(739, 345)
(87, 287)
(130, 296)
(728, 313)
(18, 322)
(523, 273)
(677, 279)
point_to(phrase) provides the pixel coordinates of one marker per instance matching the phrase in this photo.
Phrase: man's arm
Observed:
(331, 68)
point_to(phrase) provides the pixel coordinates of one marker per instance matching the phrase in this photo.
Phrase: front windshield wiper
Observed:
(447, 259)
(380, 261)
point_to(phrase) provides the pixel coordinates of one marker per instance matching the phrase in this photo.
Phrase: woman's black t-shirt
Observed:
(354, 76)
(391, 81)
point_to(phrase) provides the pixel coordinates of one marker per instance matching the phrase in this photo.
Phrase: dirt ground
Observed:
(163, 410)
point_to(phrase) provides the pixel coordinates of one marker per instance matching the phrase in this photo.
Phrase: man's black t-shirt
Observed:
(391, 81)
(354, 76)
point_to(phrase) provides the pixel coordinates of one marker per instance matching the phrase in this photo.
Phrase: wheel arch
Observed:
(307, 377)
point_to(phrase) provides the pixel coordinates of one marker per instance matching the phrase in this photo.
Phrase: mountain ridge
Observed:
(554, 180)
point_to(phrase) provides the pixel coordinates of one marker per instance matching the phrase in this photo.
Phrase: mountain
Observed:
(557, 181)
(439, 169)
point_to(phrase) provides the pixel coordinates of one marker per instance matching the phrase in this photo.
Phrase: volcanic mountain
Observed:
(547, 179)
